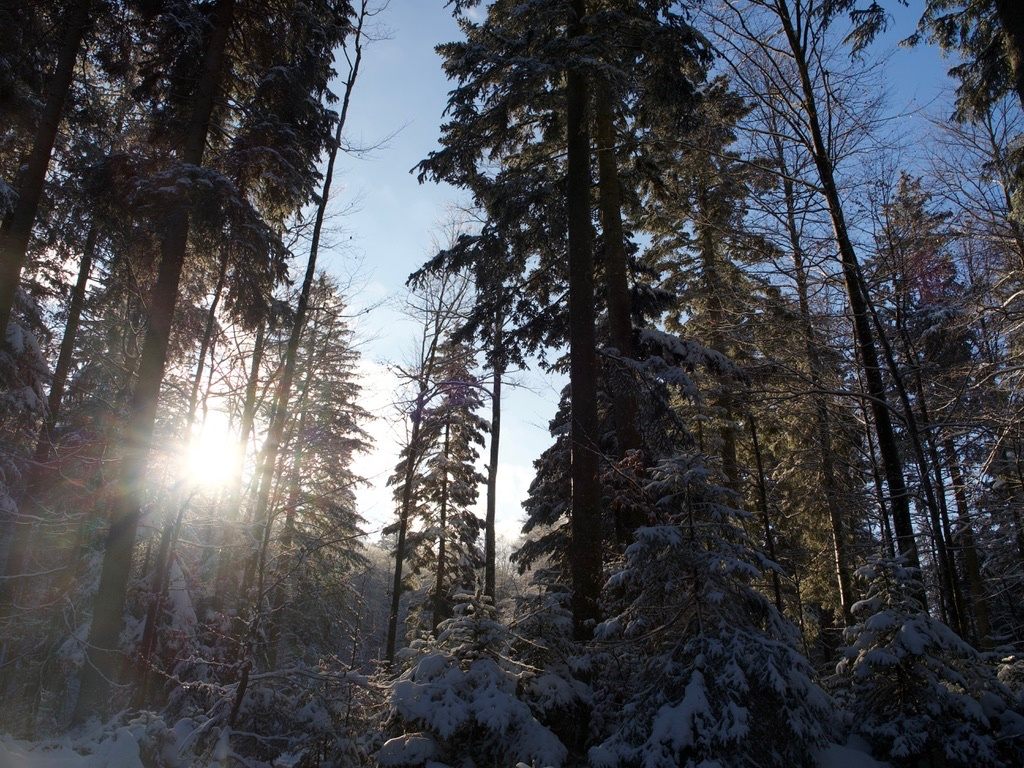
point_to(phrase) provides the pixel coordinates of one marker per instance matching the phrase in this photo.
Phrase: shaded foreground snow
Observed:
(120, 749)
(117, 750)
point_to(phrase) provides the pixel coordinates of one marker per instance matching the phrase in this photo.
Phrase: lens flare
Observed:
(211, 455)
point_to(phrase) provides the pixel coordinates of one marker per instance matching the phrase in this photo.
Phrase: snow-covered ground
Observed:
(121, 750)
(117, 750)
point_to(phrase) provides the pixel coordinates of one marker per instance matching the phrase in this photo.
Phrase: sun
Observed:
(211, 457)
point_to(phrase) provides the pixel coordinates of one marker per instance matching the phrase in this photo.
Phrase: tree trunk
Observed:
(411, 462)
(821, 414)
(21, 532)
(439, 599)
(490, 543)
(102, 655)
(67, 349)
(586, 539)
(716, 339)
(206, 343)
(972, 563)
(884, 527)
(946, 575)
(617, 296)
(16, 229)
(762, 497)
(892, 463)
(175, 517)
(294, 496)
(1011, 19)
(280, 418)
(234, 496)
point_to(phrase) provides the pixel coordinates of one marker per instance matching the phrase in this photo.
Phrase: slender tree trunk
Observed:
(717, 341)
(176, 515)
(102, 656)
(892, 463)
(294, 487)
(946, 576)
(972, 563)
(585, 561)
(232, 509)
(21, 531)
(67, 349)
(411, 462)
(617, 295)
(821, 414)
(1011, 19)
(762, 498)
(490, 543)
(884, 527)
(442, 543)
(206, 344)
(16, 229)
(277, 425)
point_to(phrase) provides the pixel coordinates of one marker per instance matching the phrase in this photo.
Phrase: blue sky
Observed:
(386, 221)
(401, 94)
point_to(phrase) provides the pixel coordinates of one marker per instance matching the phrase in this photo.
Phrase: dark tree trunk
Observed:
(440, 603)
(972, 563)
(101, 665)
(892, 463)
(617, 295)
(585, 561)
(884, 526)
(67, 349)
(1011, 18)
(947, 582)
(21, 531)
(411, 462)
(225, 557)
(490, 553)
(16, 229)
(717, 341)
(272, 448)
(176, 516)
(823, 421)
(762, 498)
(293, 500)
(276, 431)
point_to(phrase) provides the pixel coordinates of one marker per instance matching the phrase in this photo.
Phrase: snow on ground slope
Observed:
(117, 750)
(121, 750)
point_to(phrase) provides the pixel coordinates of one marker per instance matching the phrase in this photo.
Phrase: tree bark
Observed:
(67, 349)
(717, 341)
(617, 295)
(16, 229)
(892, 463)
(490, 543)
(821, 414)
(411, 462)
(280, 418)
(102, 654)
(293, 498)
(21, 531)
(585, 559)
(972, 563)
(176, 516)
(946, 569)
(439, 599)
(1011, 19)
(762, 497)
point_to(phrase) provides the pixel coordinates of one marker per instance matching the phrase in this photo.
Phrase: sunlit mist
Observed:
(211, 455)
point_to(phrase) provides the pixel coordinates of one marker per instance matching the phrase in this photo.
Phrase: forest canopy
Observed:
(777, 518)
